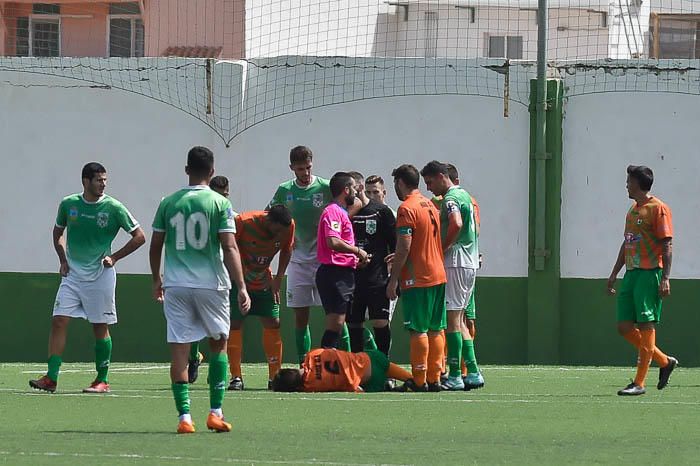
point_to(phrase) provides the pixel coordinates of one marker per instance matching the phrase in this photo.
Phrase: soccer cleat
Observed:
(236, 384)
(389, 385)
(217, 424)
(443, 377)
(665, 373)
(473, 381)
(453, 383)
(43, 383)
(97, 387)
(410, 386)
(632, 390)
(193, 368)
(185, 427)
(269, 384)
(434, 387)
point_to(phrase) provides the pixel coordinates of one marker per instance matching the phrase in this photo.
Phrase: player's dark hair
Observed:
(91, 169)
(339, 182)
(280, 215)
(218, 183)
(452, 172)
(200, 161)
(300, 154)
(357, 176)
(408, 174)
(287, 380)
(434, 168)
(643, 175)
(374, 179)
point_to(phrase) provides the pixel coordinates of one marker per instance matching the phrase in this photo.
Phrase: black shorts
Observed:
(336, 286)
(369, 304)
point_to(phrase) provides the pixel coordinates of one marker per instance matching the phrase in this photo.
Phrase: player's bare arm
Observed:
(453, 228)
(137, 240)
(155, 253)
(232, 261)
(339, 245)
(59, 244)
(285, 258)
(403, 246)
(619, 263)
(667, 256)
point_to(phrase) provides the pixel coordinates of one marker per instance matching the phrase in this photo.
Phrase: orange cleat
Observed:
(97, 387)
(185, 427)
(217, 424)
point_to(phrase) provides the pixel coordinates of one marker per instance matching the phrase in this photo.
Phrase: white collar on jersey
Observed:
(197, 186)
(313, 180)
(99, 199)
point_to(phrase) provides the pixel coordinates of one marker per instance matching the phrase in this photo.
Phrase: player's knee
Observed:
(623, 328)
(60, 322)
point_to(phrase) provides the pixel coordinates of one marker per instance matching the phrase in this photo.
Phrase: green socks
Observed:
(370, 344)
(344, 340)
(194, 351)
(54, 366)
(454, 353)
(103, 354)
(303, 340)
(181, 392)
(469, 356)
(218, 369)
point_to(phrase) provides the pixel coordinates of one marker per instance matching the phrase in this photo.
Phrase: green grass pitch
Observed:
(524, 415)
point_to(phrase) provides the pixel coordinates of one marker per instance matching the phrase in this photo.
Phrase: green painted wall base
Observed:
(140, 334)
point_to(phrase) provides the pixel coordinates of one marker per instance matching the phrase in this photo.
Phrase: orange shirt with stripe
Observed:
(257, 248)
(330, 370)
(419, 218)
(646, 226)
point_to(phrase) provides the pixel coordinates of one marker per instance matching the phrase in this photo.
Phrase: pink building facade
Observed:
(151, 28)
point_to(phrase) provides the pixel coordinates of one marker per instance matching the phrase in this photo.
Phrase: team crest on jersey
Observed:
(318, 199)
(277, 244)
(371, 227)
(73, 213)
(102, 219)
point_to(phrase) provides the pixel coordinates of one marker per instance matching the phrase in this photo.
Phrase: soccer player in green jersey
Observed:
(461, 251)
(92, 220)
(305, 196)
(219, 184)
(197, 227)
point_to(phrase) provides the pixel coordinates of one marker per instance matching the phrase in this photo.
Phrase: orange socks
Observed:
(646, 351)
(443, 361)
(398, 373)
(419, 357)
(436, 354)
(635, 338)
(272, 343)
(234, 349)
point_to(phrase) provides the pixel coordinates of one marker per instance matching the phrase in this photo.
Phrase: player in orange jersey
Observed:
(333, 370)
(646, 255)
(260, 236)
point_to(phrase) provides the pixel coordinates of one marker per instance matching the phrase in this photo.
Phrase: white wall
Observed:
(50, 128)
(603, 133)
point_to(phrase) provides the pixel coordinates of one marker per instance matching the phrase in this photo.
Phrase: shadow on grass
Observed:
(111, 432)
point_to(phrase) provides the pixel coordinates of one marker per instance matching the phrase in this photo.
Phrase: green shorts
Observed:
(262, 304)
(424, 308)
(470, 311)
(380, 365)
(638, 299)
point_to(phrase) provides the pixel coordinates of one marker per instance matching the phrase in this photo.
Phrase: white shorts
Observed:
(459, 287)
(93, 301)
(194, 313)
(301, 285)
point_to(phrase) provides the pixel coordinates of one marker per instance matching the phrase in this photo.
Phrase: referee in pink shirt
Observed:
(338, 255)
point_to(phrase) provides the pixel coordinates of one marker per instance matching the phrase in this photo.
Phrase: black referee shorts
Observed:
(369, 303)
(336, 286)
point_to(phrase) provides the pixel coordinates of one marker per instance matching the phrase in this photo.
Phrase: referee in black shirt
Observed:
(374, 226)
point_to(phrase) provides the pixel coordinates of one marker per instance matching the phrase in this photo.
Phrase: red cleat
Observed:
(44, 383)
(97, 387)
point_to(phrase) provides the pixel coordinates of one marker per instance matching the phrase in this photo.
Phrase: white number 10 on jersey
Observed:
(186, 230)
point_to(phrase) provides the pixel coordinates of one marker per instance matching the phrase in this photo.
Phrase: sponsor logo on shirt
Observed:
(335, 226)
(73, 213)
(102, 219)
(410, 282)
(318, 199)
(371, 227)
(290, 197)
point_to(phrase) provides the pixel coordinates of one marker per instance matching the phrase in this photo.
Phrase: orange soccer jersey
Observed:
(418, 217)
(646, 225)
(257, 248)
(330, 370)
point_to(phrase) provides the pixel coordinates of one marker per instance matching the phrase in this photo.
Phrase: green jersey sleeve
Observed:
(278, 198)
(61, 217)
(126, 221)
(227, 217)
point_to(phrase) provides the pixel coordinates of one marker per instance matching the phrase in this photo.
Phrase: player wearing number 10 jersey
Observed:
(197, 227)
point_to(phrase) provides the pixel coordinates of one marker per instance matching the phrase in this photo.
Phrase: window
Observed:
(46, 9)
(126, 31)
(38, 37)
(505, 47)
(430, 30)
(128, 8)
(675, 36)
